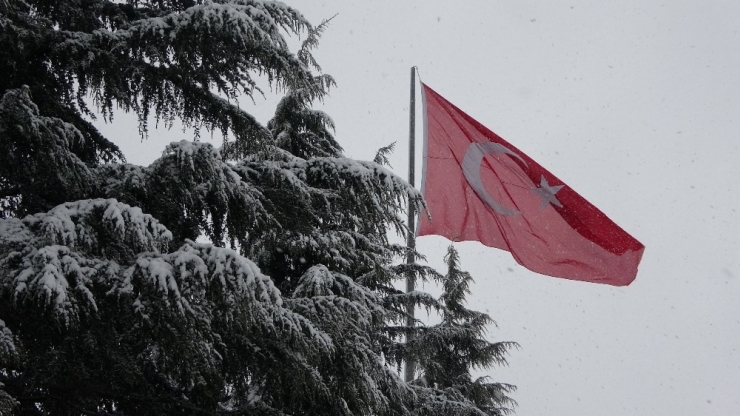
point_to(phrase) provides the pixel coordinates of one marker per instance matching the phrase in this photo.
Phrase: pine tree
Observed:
(109, 304)
(448, 351)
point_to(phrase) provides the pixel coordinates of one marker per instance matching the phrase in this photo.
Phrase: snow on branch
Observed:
(78, 224)
(365, 182)
(191, 64)
(368, 190)
(57, 278)
(8, 350)
(334, 291)
(204, 283)
(38, 157)
(53, 259)
(212, 193)
(348, 312)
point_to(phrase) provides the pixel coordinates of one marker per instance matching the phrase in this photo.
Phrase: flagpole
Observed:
(411, 235)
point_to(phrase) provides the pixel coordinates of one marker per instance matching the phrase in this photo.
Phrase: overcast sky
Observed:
(633, 104)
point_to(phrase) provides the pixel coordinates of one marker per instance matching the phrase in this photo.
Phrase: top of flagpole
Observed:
(415, 69)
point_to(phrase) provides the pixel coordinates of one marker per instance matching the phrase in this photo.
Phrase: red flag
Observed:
(478, 187)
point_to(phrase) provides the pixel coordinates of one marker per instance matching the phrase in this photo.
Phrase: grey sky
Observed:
(636, 106)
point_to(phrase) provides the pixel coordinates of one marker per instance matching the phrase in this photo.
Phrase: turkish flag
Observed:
(478, 187)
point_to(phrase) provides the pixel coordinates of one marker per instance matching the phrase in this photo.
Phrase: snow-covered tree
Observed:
(110, 304)
(449, 350)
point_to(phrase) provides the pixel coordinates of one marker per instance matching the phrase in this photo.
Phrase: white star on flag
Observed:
(547, 192)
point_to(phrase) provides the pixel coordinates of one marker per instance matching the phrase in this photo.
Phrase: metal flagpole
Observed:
(411, 236)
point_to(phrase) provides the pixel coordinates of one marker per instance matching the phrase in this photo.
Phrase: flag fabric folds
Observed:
(478, 187)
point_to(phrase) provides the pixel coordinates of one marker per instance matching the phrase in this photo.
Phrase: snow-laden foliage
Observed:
(448, 351)
(170, 56)
(7, 402)
(110, 301)
(193, 191)
(333, 211)
(351, 314)
(44, 258)
(199, 321)
(31, 144)
(8, 351)
(301, 130)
